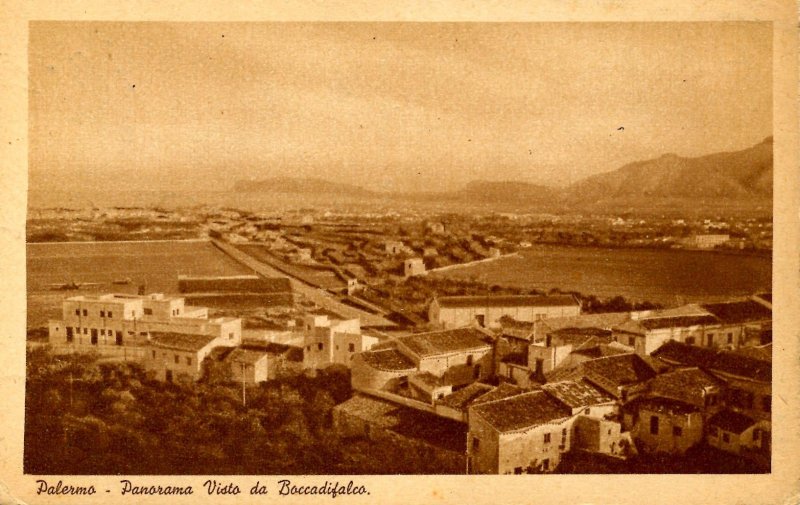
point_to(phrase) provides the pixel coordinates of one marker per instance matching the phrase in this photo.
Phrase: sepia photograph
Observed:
(306, 258)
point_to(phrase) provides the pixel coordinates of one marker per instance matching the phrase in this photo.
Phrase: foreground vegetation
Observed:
(88, 417)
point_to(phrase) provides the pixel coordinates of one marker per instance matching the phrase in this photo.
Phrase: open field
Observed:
(154, 264)
(669, 277)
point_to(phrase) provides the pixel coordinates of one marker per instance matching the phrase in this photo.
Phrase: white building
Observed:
(458, 311)
(121, 325)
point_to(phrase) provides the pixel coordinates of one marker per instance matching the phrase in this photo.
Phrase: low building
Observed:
(394, 247)
(487, 311)
(254, 363)
(671, 413)
(328, 341)
(740, 434)
(453, 357)
(413, 267)
(178, 357)
(748, 379)
(120, 325)
(526, 433)
(708, 241)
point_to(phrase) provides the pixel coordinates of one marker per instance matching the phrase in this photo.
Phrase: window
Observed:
(177, 359)
(587, 411)
(133, 313)
(189, 361)
(102, 313)
(654, 425)
(518, 470)
(469, 360)
(766, 403)
(546, 464)
(631, 341)
(564, 434)
(730, 338)
(690, 340)
(726, 437)
(148, 312)
(118, 339)
(710, 340)
(476, 443)
(102, 332)
(110, 314)
(154, 355)
(69, 335)
(85, 312)
(337, 347)
(77, 312)
(308, 348)
(351, 347)
(476, 372)
(86, 331)
(546, 438)
(320, 346)
(677, 431)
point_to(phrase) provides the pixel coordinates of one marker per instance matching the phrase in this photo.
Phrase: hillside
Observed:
(741, 174)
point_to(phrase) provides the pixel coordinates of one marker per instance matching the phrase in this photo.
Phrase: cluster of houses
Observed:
(533, 380)
(172, 340)
(528, 379)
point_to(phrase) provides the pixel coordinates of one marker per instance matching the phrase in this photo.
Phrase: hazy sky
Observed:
(393, 105)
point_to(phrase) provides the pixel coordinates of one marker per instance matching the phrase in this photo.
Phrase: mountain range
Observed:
(744, 175)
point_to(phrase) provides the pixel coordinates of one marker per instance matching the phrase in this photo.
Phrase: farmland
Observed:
(156, 264)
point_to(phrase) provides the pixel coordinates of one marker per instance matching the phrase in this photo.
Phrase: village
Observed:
(486, 381)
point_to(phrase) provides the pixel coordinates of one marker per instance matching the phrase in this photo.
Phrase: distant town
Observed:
(221, 340)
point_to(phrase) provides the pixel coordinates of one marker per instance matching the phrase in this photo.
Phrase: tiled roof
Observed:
(685, 354)
(605, 321)
(619, 370)
(507, 301)
(739, 312)
(576, 394)
(247, 356)
(677, 322)
(662, 405)
(686, 385)
(601, 350)
(578, 339)
(447, 341)
(521, 411)
(731, 421)
(729, 362)
(504, 390)
(608, 373)
(388, 359)
(464, 397)
(180, 341)
(518, 329)
(742, 366)
(427, 378)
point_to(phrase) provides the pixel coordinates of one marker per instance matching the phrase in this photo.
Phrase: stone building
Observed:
(486, 311)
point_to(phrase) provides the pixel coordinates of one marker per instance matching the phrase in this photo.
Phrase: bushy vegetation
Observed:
(89, 417)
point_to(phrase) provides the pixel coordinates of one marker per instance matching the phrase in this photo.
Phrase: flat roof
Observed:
(180, 341)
